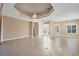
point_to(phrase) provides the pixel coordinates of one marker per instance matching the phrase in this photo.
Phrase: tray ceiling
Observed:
(30, 9)
(62, 12)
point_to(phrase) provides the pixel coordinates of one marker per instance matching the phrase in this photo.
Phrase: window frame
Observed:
(71, 24)
(55, 25)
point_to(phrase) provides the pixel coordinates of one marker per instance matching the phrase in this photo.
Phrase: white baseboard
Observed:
(15, 38)
(61, 35)
(65, 35)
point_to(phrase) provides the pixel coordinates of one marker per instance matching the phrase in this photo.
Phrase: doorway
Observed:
(46, 29)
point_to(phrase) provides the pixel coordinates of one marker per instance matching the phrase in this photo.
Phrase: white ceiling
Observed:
(65, 11)
(62, 12)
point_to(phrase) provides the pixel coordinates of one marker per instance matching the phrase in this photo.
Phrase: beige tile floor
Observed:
(42, 46)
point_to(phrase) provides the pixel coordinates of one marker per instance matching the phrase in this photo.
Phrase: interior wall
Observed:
(30, 30)
(13, 29)
(0, 29)
(62, 26)
(40, 28)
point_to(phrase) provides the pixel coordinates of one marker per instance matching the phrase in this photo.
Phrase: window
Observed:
(56, 28)
(71, 28)
(46, 29)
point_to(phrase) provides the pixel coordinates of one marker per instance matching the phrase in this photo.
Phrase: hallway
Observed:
(42, 46)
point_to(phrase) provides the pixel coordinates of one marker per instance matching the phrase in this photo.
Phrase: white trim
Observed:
(1, 30)
(16, 38)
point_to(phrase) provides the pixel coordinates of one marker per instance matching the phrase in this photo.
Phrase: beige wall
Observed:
(0, 29)
(40, 28)
(30, 30)
(63, 27)
(13, 28)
